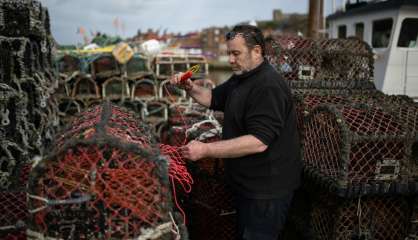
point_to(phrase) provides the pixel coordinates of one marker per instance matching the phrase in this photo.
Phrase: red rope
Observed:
(177, 172)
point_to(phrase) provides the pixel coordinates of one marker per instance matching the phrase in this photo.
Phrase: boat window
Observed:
(381, 33)
(342, 31)
(359, 27)
(409, 33)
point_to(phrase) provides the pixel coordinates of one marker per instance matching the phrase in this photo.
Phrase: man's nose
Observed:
(231, 59)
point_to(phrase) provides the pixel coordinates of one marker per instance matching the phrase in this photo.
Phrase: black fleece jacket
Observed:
(259, 103)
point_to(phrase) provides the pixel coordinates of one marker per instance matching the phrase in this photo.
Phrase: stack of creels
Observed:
(306, 102)
(24, 18)
(358, 150)
(401, 108)
(211, 211)
(103, 179)
(365, 217)
(324, 64)
(28, 112)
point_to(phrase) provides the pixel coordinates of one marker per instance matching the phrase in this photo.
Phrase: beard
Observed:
(238, 70)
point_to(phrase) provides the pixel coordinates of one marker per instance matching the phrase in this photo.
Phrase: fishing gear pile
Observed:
(28, 110)
(105, 178)
(359, 145)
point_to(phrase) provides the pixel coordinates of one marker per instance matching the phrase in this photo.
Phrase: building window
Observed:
(359, 28)
(381, 33)
(409, 33)
(342, 31)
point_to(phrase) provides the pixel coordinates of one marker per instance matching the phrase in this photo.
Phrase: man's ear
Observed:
(257, 50)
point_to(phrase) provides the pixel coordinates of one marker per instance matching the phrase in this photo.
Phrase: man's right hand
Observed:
(186, 84)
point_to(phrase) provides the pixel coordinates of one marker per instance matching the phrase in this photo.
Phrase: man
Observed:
(260, 139)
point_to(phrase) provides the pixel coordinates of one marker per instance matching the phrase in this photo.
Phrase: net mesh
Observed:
(104, 179)
(23, 18)
(105, 66)
(356, 145)
(366, 218)
(212, 215)
(323, 63)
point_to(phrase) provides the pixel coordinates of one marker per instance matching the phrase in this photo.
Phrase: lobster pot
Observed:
(85, 88)
(212, 215)
(357, 148)
(104, 66)
(362, 218)
(322, 64)
(69, 64)
(137, 67)
(115, 89)
(104, 179)
(304, 103)
(17, 60)
(67, 110)
(296, 58)
(28, 116)
(23, 18)
(347, 60)
(13, 214)
(144, 89)
(408, 114)
(401, 107)
(183, 116)
(13, 208)
(23, 58)
(155, 113)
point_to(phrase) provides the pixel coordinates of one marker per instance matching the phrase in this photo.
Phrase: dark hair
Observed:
(252, 35)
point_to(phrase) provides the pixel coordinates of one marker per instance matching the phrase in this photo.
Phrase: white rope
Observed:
(155, 233)
(216, 131)
(81, 199)
(175, 230)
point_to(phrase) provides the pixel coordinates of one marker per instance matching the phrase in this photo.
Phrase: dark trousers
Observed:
(261, 219)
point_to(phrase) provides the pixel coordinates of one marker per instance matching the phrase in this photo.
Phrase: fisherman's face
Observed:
(241, 58)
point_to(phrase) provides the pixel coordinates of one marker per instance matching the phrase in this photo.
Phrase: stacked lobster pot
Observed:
(28, 112)
(105, 178)
(208, 206)
(324, 65)
(87, 80)
(359, 145)
(77, 89)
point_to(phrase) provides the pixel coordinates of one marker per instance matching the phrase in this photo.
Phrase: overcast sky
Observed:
(173, 15)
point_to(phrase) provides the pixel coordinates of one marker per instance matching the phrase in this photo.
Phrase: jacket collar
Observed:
(252, 72)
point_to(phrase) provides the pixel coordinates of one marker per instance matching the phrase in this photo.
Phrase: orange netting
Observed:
(104, 179)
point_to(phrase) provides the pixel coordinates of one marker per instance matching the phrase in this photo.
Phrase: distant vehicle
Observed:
(391, 29)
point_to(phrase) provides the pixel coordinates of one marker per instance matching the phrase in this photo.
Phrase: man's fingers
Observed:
(175, 79)
(184, 151)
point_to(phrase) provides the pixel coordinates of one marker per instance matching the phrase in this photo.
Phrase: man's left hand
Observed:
(194, 150)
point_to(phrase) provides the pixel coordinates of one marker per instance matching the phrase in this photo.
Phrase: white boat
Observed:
(391, 29)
